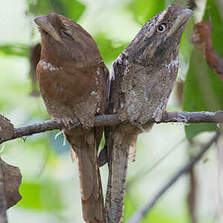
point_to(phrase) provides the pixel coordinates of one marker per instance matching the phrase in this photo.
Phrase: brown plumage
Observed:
(73, 83)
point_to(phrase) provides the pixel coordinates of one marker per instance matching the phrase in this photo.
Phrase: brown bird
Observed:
(73, 83)
(143, 78)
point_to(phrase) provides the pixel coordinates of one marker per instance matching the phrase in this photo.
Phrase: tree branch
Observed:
(137, 217)
(106, 120)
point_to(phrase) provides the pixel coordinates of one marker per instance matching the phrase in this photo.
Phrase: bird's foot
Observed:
(64, 137)
(68, 122)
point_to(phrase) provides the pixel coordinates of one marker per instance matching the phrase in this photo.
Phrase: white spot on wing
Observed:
(93, 93)
(49, 67)
(173, 64)
(98, 71)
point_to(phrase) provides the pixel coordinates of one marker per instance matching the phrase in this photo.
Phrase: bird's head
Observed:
(162, 32)
(65, 40)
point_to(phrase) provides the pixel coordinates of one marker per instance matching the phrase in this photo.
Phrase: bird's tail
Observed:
(85, 142)
(119, 141)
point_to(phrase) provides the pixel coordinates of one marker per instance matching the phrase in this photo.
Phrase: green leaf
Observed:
(72, 9)
(203, 88)
(14, 50)
(196, 128)
(109, 50)
(143, 10)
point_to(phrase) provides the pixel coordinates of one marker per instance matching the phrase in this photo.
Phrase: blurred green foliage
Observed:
(73, 8)
(45, 193)
(156, 216)
(202, 91)
(144, 9)
(203, 88)
(108, 49)
(19, 50)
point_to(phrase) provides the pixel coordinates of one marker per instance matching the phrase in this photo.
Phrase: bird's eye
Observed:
(68, 35)
(161, 28)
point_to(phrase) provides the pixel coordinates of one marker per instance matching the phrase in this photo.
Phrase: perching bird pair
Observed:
(74, 84)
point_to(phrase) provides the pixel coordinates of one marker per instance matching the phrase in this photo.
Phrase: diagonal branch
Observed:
(106, 120)
(139, 215)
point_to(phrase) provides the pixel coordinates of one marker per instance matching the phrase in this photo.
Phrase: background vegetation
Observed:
(50, 187)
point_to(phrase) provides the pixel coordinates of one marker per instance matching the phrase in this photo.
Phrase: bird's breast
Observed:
(67, 85)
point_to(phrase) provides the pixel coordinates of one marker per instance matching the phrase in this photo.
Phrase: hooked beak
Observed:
(44, 23)
(181, 20)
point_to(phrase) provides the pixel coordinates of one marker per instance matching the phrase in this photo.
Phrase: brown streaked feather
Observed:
(73, 83)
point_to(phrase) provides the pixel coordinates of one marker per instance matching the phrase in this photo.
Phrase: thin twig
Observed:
(139, 215)
(142, 173)
(106, 120)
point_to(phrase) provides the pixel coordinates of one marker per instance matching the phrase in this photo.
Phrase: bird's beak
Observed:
(181, 20)
(44, 23)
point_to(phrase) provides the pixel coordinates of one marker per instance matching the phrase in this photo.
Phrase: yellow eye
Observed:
(161, 28)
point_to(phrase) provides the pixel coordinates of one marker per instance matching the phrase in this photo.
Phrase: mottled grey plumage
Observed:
(143, 78)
